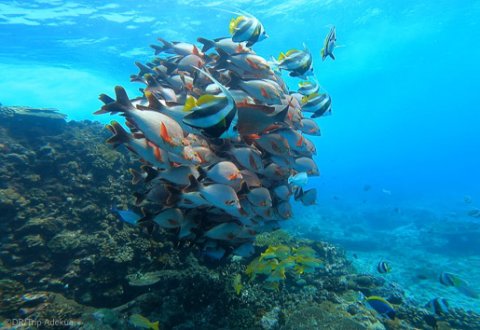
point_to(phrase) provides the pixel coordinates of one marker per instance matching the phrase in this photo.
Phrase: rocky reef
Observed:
(67, 262)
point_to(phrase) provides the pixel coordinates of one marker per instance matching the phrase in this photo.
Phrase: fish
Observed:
(178, 48)
(310, 127)
(247, 28)
(219, 195)
(263, 90)
(225, 231)
(215, 116)
(253, 119)
(224, 172)
(226, 44)
(274, 144)
(284, 210)
(178, 175)
(127, 216)
(283, 192)
(237, 284)
(449, 279)
(141, 322)
(383, 267)
(245, 250)
(381, 306)
(260, 197)
(249, 158)
(297, 62)
(168, 218)
(308, 87)
(243, 63)
(307, 197)
(318, 104)
(329, 44)
(145, 150)
(300, 179)
(158, 128)
(306, 165)
(438, 306)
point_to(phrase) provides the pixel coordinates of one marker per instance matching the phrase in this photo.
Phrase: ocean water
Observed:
(400, 156)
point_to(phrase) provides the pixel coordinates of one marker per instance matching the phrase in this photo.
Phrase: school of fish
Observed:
(222, 140)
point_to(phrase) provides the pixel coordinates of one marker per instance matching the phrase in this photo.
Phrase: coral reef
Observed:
(66, 257)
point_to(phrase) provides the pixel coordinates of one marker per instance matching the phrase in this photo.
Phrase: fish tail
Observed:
(194, 185)
(136, 176)
(331, 55)
(120, 135)
(139, 198)
(143, 69)
(202, 173)
(222, 59)
(121, 104)
(150, 171)
(207, 44)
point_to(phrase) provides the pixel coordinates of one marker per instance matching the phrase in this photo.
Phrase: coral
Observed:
(277, 237)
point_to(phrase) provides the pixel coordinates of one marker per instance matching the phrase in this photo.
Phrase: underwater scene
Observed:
(239, 164)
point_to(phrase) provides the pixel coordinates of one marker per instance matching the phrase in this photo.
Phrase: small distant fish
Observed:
(299, 179)
(449, 279)
(438, 306)
(475, 213)
(467, 199)
(237, 284)
(127, 216)
(386, 192)
(367, 187)
(141, 322)
(383, 267)
(381, 306)
(329, 44)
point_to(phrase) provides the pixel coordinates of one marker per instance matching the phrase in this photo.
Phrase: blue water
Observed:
(404, 88)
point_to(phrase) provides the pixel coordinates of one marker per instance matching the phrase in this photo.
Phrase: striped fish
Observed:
(318, 104)
(307, 87)
(297, 62)
(329, 44)
(215, 116)
(247, 28)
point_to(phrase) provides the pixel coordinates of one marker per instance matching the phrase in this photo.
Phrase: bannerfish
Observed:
(297, 62)
(247, 28)
(127, 216)
(215, 116)
(449, 279)
(383, 267)
(307, 197)
(299, 179)
(308, 87)
(438, 306)
(318, 104)
(329, 44)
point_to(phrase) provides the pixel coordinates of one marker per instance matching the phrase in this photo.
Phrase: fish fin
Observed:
(202, 173)
(139, 198)
(243, 189)
(153, 102)
(150, 171)
(222, 58)
(136, 176)
(194, 185)
(164, 134)
(173, 196)
(190, 103)
(281, 56)
(121, 104)
(332, 56)
(207, 44)
(206, 98)
(120, 135)
(158, 49)
(196, 51)
(106, 99)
